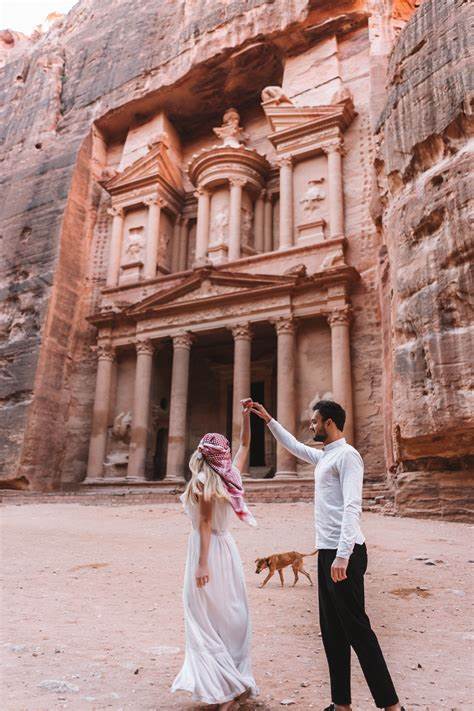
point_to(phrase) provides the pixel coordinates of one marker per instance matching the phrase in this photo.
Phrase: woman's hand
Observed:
(246, 405)
(202, 575)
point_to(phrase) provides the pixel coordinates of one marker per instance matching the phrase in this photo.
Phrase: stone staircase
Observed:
(110, 492)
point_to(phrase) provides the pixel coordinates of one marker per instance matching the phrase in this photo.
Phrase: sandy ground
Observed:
(92, 601)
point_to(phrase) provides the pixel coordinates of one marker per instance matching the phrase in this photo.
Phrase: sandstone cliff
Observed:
(425, 189)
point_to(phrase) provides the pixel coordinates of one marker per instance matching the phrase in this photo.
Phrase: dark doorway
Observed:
(229, 406)
(161, 450)
(257, 443)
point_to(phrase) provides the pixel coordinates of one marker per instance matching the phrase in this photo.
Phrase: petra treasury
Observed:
(236, 283)
(205, 200)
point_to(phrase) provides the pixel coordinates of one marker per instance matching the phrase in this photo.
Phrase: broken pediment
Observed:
(285, 118)
(209, 284)
(155, 165)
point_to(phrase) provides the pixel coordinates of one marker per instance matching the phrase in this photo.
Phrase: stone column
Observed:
(100, 413)
(115, 252)
(268, 223)
(183, 244)
(235, 217)
(339, 322)
(152, 237)
(286, 202)
(202, 227)
(242, 379)
(259, 222)
(176, 244)
(286, 396)
(175, 463)
(141, 410)
(335, 191)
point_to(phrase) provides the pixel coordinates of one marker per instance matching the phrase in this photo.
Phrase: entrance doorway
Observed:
(161, 450)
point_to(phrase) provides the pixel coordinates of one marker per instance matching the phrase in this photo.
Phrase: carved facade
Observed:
(215, 241)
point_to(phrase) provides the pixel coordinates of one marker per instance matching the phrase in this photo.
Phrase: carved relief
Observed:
(313, 196)
(246, 226)
(219, 228)
(121, 428)
(134, 248)
(163, 242)
(231, 132)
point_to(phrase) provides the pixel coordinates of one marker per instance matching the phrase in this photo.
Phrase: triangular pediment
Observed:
(156, 163)
(208, 285)
(285, 118)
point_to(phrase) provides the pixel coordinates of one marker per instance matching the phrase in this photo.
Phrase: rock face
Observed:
(75, 101)
(425, 188)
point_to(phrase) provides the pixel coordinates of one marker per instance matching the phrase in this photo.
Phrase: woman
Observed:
(217, 667)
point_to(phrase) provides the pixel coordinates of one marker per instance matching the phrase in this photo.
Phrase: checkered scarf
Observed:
(215, 449)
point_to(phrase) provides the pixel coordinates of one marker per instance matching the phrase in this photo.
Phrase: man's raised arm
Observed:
(300, 450)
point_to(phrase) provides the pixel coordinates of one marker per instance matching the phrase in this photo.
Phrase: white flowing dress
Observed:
(217, 666)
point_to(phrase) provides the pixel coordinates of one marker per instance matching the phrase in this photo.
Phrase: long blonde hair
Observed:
(208, 486)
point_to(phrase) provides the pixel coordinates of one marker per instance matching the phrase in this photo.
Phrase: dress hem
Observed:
(205, 700)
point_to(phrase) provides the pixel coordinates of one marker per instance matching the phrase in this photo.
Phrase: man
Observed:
(342, 559)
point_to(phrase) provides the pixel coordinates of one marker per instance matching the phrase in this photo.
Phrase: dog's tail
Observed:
(305, 555)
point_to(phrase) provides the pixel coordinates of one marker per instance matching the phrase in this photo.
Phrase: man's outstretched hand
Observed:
(259, 410)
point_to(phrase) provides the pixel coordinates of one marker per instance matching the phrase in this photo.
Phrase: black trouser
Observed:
(344, 624)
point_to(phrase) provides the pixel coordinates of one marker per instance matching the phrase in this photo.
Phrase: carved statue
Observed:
(298, 270)
(231, 132)
(246, 226)
(122, 427)
(314, 194)
(276, 95)
(165, 238)
(135, 244)
(219, 228)
(342, 94)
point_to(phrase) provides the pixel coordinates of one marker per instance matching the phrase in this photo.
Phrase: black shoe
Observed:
(330, 708)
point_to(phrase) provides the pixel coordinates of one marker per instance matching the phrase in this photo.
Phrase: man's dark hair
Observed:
(330, 409)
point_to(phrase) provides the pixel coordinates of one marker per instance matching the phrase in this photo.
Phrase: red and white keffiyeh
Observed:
(215, 449)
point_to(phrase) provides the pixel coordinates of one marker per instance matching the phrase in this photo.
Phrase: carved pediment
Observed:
(285, 118)
(206, 285)
(155, 164)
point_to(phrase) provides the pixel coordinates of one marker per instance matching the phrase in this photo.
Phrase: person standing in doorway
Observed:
(342, 558)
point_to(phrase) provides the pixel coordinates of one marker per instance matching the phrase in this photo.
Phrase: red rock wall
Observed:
(424, 183)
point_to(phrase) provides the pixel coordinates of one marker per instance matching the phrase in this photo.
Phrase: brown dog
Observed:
(278, 561)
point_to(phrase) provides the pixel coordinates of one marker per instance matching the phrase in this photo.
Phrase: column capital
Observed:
(115, 211)
(183, 340)
(161, 202)
(262, 194)
(144, 347)
(284, 161)
(340, 317)
(333, 147)
(104, 351)
(241, 331)
(285, 324)
(200, 192)
(238, 182)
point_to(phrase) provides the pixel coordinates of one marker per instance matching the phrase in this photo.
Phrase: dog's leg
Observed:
(302, 570)
(295, 571)
(267, 579)
(280, 572)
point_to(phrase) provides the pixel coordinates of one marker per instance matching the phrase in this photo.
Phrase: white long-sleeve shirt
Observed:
(338, 477)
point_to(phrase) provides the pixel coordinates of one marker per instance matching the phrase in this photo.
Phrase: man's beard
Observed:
(320, 437)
